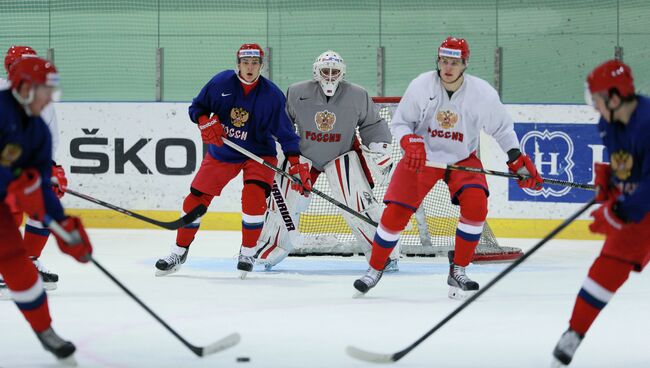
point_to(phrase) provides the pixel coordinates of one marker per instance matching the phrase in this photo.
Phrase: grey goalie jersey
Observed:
(327, 128)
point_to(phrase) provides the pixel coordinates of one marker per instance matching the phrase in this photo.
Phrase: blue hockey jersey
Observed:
(629, 153)
(25, 142)
(251, 121)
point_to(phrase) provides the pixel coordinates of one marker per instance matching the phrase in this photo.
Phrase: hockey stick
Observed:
(331, 200)
(391, 358)
(508, 175)
(188, 218)
(201, 351)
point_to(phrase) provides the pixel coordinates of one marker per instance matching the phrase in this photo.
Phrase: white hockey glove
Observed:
(379, 161)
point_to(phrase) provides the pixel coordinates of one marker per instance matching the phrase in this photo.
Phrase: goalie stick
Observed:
(201, 351)
(331, 200)
(188, 218)
(508, 175)
(372, 357)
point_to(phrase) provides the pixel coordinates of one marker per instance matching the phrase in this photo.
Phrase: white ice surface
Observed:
(303, 315)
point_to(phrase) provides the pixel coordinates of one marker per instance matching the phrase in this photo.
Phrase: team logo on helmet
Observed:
(325, 120)
(10, 154)
(622, 162)
(446, 118)
(238, 116)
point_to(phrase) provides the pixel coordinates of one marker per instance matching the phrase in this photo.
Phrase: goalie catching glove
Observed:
(302, 172)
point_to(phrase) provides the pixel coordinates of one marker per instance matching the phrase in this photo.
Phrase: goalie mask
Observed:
(329, 71)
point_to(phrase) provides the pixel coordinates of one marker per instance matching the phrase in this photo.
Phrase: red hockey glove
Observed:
(302, 170)
(602, 180)
(29, 196)
(82, 249)
(211, 130)
(523, 166)
(606, 220)
(415, 154)
(58, 177)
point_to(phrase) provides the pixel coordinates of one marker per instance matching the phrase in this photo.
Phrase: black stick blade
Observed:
(369, 356)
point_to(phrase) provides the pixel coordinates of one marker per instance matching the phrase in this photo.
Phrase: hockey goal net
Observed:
(430, 233)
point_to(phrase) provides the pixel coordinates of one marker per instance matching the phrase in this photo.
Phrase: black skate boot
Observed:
(172, 262)
(50, 279)
(566, 348)
(367, 281)
(245, 265)
(62, 350)
(460, 286)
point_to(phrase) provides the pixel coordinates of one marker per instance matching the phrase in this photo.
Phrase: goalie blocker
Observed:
(349, 185)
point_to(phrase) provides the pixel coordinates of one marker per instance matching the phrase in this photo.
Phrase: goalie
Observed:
(327, 112)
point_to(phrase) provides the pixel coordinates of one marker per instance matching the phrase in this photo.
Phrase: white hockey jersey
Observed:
(451, 126)
(48, 115)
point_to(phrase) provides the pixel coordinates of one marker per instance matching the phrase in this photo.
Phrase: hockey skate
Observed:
(566, 348)
(392, 266)
(172, 262)
(62, 350)
(367, 281)
(460, 286)
(50, 279)
(245, 265)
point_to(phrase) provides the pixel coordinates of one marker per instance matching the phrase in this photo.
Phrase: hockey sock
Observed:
(605, 276)
(393, 221)
(473, 211)
(35, 238)
(253, 201)
(185, 235)
(26, 288)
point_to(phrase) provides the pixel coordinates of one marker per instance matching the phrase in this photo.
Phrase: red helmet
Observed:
(454, 48)
(612, 74)
(16, 52)
(33, 70)
(250, 50)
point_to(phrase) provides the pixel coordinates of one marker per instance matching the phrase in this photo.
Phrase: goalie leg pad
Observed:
(605, 276)
(393, 221)
(473, 211)
(185, 235)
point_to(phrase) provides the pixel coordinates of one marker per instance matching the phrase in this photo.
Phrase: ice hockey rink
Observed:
(302, 314)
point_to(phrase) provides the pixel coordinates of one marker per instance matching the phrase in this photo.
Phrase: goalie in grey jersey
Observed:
(327, 111)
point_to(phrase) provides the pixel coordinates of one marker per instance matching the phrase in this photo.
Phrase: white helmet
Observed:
(325, 71)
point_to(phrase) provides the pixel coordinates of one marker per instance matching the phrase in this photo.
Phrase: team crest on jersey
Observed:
(325, 120)
(10, 154)
(621, 163)
(446, 118)
(238, 116)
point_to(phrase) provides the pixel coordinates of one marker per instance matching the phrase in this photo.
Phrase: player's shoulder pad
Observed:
(223, 76)
(481, 85)
(353, 87)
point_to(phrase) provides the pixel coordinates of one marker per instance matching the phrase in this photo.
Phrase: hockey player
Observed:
(439, 119)
(248, 109)
(36, 234)
(623, 189)
(25, 171)
(327, 111)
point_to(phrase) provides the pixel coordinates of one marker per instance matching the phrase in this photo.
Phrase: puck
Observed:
(243, 359)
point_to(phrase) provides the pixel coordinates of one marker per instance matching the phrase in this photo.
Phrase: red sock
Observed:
(393, 221)
(473, 211)
(605, 277)
(35, 238)
(253, 202)
(185, 235)
(26, 288)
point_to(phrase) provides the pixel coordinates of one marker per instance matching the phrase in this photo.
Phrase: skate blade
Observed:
(68, 362)
(49, 286)
(460, 294)
(556, 363)
(242, 274)
(358, 294)
(167, 272)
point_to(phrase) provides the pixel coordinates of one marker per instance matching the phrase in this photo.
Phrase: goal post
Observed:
(430, 232)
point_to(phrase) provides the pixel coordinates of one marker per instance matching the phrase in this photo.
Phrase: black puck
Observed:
(243, 359)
